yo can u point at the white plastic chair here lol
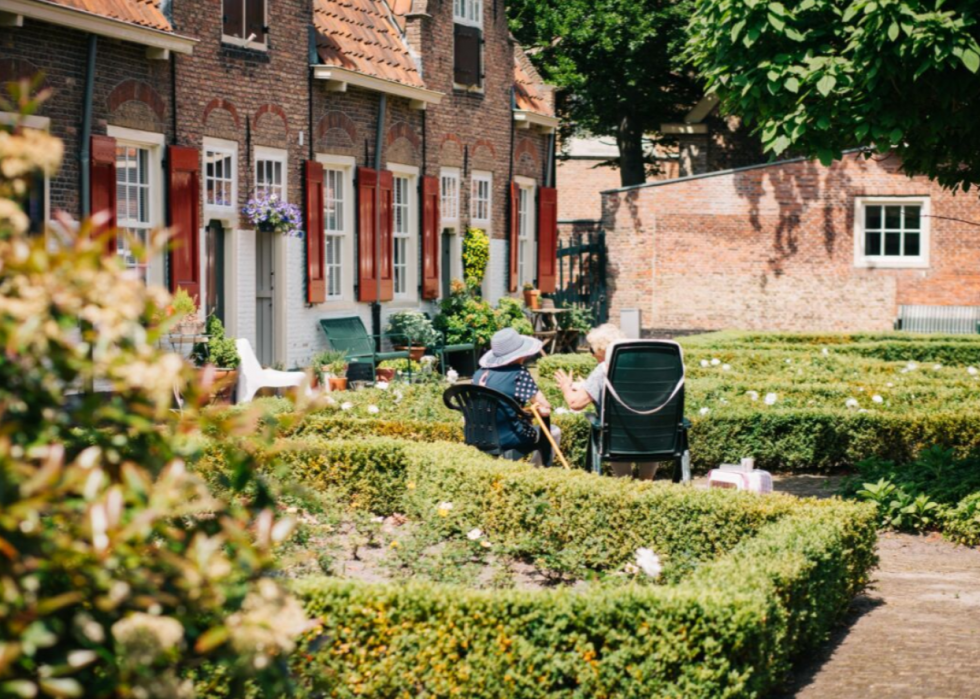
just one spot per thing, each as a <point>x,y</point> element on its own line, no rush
<point>252,377</point>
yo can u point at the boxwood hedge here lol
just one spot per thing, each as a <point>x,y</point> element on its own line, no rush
<point>769,578</point>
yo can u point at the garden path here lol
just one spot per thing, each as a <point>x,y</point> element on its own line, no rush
<point>914,635</point>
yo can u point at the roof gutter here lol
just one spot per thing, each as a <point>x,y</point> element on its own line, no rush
<point>342,77</point>
<point>157,41</point>
<point>526,119</point>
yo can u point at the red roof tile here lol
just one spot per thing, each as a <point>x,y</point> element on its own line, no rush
<point>528,91</point>
<point>360,35</point>
<point>145,13</point>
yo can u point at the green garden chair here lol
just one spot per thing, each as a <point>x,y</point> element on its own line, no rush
<point>641,417</point>
<point>349,335</point>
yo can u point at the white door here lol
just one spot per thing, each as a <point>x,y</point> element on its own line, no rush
<point>265,286</point>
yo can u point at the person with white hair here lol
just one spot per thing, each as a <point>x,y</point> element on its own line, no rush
<point>580,394</point>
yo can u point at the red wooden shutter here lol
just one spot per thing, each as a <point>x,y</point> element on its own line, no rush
<point>184,173</point>
<point>316,277</point>
<point>386,264</point>
<point>515,201</point>
<point>103,186</point>
<point>430,238</point>
<point>547,239</point>
<point>367,280</point>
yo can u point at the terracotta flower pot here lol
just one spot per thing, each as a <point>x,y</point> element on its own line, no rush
<point>384,374</point>
<point>338,383</point>
<point>414,353</point>
<point>532,299</point>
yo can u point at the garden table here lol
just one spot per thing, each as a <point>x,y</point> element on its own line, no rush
<point>545,324</point>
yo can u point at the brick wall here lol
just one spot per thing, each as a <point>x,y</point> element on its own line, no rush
<point>773,248</point>
<point>129,90</point>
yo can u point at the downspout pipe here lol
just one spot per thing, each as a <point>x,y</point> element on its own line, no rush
<point>85,152</point>
<point>549,171</point>
<point>376,307</point>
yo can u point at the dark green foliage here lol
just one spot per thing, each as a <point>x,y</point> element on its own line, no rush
<point>219,350</point>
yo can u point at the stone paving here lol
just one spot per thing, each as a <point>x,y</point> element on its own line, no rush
<point>914,635</point>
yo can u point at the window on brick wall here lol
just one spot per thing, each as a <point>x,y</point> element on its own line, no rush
<point>269,168</point>
<point>481,200</point>
<point>891,232</point>
<point>405,231</point>
<point>244,23</point>
<point>449,203</point>
<point>401,234</point>
<point>219,179</point>
<point>335,229</point>
<point>526,255</point>
<point>34,201</point>
<point>468,43</point>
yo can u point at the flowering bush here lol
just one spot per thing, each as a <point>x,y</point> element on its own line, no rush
<point>466,318</point>
<point>281,216</point>
<point>476,256</point>
<point>120,572</point>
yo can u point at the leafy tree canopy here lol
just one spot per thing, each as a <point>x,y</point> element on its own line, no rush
<point>823,76</point>
<point>617,62</point>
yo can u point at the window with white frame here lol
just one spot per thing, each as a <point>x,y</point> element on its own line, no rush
<point>892,232</point>
<point>133,216</point>
<point>334,230</point>
<point>481,200</point>
<point>525,235</point>
<point>449,189</point>
<point>244,23</point>
<point>219,178</point>
<point>269,177</point>
<point>468,12</point>
<point>402,233</point>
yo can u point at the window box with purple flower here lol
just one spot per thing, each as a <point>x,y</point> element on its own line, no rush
<point>275,215</point>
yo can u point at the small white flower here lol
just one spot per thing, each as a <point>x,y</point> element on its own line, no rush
<point>911,366</point>
<point>789,361</point>
<point>452,376</point>
<point>771,398</point>
<point>474,534</point>
<point>704,411</point>
<point>378,520</point>
<point>648,562</point>
<point>715,361</point>
<point>971,370</point>
<point>373,409</point>
<point>905,370</point>
<point>851,403</point>
<point>427,359</point>
<point>825,351</point>
<point>753,395</point>
<point>889,384</point>
<point>877,399</point>
<point>704,363</point>
<point>383,385</point>
<point>630,569</point>
<point>863,410</point>
<point>726,367</point>
<point>444,508</point>
<point>398,396</point>
<point>937,367</point>
<point>347,405</point>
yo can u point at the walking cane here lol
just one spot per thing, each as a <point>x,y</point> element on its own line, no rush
<point>547,433</point>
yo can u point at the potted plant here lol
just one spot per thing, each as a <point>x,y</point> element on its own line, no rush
<point>329,367</point>
<point>464,318</point>
<point>417,328</point>
<point>532,297</point>
<point>271,214</point>
<point>390,368</point>
<point>221,352</point>
<point>185,309</point>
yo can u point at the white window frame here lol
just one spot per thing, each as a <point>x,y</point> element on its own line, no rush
<point>154,143</point>
<point>449,214</point>
<point>468,12</point>
<point>227,214</point>
<point>245,43</point>
<point>274,155</point>
<point>411,237</point>
<point>919,261</point>
<point>38,123</point>
<point>484,222</point>
<point>527,238</point>
<point>345,165</point>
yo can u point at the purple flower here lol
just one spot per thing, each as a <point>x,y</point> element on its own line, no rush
<point>285,218</point>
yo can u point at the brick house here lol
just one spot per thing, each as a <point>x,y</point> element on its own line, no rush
<point>394,126</point>
<point>790,245</point>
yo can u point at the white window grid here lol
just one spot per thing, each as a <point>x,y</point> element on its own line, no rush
<point>449,204</point>
<point>468,12</point>
<point>481,200</point>
<point>258,42</point>
<point>892,230</point>
<point>133,215</point>
<point>523,234</point>
<point>334,231</point>
<point>219,178</point>
<point>402,229</point>
<point>268,178</point>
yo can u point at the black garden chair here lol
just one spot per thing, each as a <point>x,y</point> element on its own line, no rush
<point>483,410</point>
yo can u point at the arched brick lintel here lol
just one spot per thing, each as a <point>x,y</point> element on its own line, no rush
<point>136,91</point>
<point>526,147</point>
<point>403,130</point>
<point>272,109</point>
<point>224,104</point>
<point>336,120</point>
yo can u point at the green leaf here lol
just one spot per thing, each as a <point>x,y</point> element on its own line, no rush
<point>211,639</point>
<point>737,29</point>
<point>895,135</point>
<point>971,60</point>
<point>861,131</point>
<point>795,35</point>
<point>893,31</point>
<point>793,85</point>
<point>826,157</point>
<point>781,144</point>
<point>826,84</point>
<point>777,22</point>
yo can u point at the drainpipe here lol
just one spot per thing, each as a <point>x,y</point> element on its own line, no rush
<point>376,306</point>
<point>550,164</point>
<point>85,155</point>
<point>510,184</point>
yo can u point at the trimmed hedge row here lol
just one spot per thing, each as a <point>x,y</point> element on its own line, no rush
<point>730,630</point>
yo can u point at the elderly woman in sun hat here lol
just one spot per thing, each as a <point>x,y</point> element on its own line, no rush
<point>580,394</point>
<point>502,369</point>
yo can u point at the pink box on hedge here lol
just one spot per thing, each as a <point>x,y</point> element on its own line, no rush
<point>742,476</point>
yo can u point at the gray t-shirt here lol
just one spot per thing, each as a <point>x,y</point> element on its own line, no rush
<point>595,384</point>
